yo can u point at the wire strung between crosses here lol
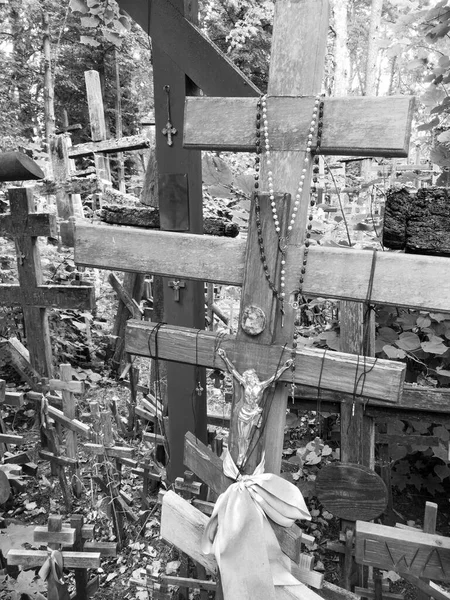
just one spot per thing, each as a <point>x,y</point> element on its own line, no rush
<point>316,126</point>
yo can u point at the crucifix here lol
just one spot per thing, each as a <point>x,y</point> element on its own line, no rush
<point>380,127</point>
<point>176,285</point>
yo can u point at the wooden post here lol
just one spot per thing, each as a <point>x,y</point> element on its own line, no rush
<point>180,205</point>
<point>97,121</point>
<point>69,410</point>
<point>67,205</point>
<point>30,277</point>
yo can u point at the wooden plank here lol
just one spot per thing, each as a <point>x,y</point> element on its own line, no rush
<point>431,588</point>
<point>111,146</point>
<point>429,401</point>
<point>131,304</point>
<point>6,438</point>
<point>14,398</point>
<point>160,253</point>
<point>289,123</point>
<point>105,548</point>
<point>183,525</point>
<point>115,451</point>
<point>383,378</point>
<point>73,386</point>
<point>410,552</point>
<point>187,46</point>
<point>65,537</point>
<point>97,121</point>
<point>72,424</point>
<point>46,296</point>
<point>15,353</point>
<point>36,558</point>
<point>188,582</point>
<point>40,224</point>
<point>17,166</point>
<point>62,461</point>
<point>399,280</point>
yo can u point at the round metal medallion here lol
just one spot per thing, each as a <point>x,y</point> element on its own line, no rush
<point>253,320</point>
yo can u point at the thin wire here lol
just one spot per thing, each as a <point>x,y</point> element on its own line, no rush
<point>158,395</point>
<point>319,394</point>
<point>340,202</point>
<point>364,344</point>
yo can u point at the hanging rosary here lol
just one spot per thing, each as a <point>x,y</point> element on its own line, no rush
<point>279,293</point>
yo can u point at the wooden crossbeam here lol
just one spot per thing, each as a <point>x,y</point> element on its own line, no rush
<point>36,558</point>
<point>414,553</point>
<point>111,146</point>
<point>40,224</point>
<point>188,47</point>
<point>399,280</point>
<point>46,296</point>
<point>383,378</point>
<point>380,126</point>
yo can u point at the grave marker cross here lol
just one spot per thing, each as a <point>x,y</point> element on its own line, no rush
<point>24,225</point>
<point>295,78</point>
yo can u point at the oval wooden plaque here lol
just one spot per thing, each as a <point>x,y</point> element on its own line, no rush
<point>351,492</point>
<point>5,488</point>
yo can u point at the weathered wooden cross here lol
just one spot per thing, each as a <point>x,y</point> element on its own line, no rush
<point>56,536</point>
<point>351,126</point>
<point>379,126</point>
<point>25,225</point>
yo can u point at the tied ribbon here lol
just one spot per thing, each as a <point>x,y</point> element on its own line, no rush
<point>54,565</point>
<point>239,534</point>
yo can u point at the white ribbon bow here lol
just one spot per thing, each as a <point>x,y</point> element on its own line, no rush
<point>239,534</point>
<point>55,565</point>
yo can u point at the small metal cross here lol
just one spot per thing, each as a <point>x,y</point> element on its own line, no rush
<point>177,285</point>
<point>169,129</point>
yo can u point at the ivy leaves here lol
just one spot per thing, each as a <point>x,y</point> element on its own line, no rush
<point>420,337</point>
<point>102,17</point>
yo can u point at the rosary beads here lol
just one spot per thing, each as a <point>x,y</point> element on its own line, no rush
<point>262,127</point>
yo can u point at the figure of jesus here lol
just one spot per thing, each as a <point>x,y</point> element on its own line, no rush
<point>251,409</point>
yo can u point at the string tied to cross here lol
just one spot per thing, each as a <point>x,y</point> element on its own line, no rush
<point>54,565</point>
<point>240,536</point>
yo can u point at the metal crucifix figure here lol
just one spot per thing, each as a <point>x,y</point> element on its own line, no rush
<point>251,406</point>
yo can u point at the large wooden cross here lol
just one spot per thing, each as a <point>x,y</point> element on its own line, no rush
<point>24,225</point>
<point>379,126</point>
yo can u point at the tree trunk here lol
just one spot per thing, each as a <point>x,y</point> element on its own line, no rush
<point>372,48</point>
<point>341,53</point>
<point>49,96</point>
<point>119,131</point>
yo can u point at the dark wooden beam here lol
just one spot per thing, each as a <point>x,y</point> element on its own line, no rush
<point>41,224</point>
<point>111,146</point>
<point>379,126</point>
<point>17,166</point>
<point>383,380</point>
<point>46,296</point>
<point>187,46</point>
